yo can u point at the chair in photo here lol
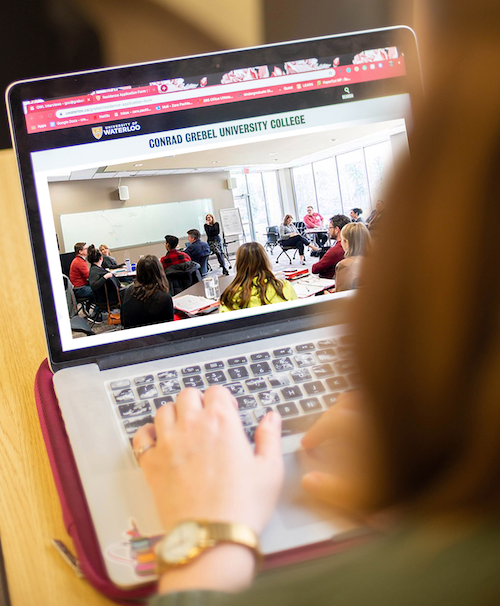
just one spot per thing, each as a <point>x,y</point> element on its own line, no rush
<point>204,266</point>
<point>272,238</point>
<point>179,280</point>
<point>78,323</point>
<point>285,250</point>
<point>107,300</point>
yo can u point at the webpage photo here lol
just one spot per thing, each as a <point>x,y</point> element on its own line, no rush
<point>181,175</point>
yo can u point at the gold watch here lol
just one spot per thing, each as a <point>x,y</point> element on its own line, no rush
<point>191,538</point>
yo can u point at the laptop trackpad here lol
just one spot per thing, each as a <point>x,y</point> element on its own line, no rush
<point>295,507</point>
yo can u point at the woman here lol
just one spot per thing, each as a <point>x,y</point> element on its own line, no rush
<point>355,215</point>
<point>254,284</point>
<point>421,445</point>
<point>212,230</point>
<point>147,301</point>
<point>291,238</point>
<point>355,240</point>
<point>108,262</point>
<point>105,286</point>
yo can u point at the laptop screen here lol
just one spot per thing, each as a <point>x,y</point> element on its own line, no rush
<point>124,156</point>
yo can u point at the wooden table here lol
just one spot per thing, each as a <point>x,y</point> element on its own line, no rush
<point>30,514</point>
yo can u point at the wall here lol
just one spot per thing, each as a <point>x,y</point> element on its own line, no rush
<point>100,194</point>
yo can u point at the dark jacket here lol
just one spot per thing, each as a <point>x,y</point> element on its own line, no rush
<point>157,308</point>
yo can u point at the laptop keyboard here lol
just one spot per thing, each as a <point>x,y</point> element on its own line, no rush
<point>298,382</point>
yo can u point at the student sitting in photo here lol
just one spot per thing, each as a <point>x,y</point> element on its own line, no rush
<point>108,262</point>
<point>355,215</point>
<point>291,238</point>
<point>356,241</point>
<point>173,256</point>
<point>148,300</point>
<point>99,277</point>
<point>254,284</point>
<point>325,267</point>
<point>198,250</point>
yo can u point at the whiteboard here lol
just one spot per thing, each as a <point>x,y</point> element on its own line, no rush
<point>135,225</point>
<point>231,221</point>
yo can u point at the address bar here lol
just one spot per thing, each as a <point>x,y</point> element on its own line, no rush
<point>218,89</point>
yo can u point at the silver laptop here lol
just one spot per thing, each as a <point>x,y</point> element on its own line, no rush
<point>126,155</point>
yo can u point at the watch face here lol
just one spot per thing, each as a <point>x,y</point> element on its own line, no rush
<point>179,544</point>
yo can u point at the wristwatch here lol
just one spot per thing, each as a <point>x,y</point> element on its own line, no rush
<point>191,538</point>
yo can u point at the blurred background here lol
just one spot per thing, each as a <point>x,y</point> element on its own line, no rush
<point>40,37</point>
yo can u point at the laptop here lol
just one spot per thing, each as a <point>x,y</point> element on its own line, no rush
<point>124,156</point>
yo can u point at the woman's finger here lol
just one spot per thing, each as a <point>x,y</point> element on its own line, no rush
<point>189,400</point>
<point>144,440</point>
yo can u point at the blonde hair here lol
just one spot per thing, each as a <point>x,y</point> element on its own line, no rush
<point>103,247</point>
<point>358,239</point>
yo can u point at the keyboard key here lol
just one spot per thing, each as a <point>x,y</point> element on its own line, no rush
<point>326,355</point>
<point>237,361</point>
<point>283,364</point>
<point>240,372</point>
<point>125,396</point>
<point>336,383</point>
<point>330,399</point>
<point>133,425</point>
<point>325,370</point>
<point>260,368</point>
<point>345,366</point>
<point>303,360</point>
<point>284,351</point>
<point>301,374</point>
<point>305,347</point>
<point>215,377</point>
<point>147,391</point>
<point>261,413</point>
<point>167,375</point>
<point>279,381</point>
<point>269,397</point>
<point>171,386</point>
<point>257,384</point>
<point>291,393</point>
<point>195,381</point>
<point>131,410</point>
<point>159,402</point>
<point>144,379</point>
<point>264,355</point>
<point>119,384</point>
<point>236,389</point>
<point>314,387</point>
<point>214,365</point>
<point>191,370</point>
<point>323,343</point>
<point>310,404</point>
<point>287,410</point>
<point>246,419</point>
<point>250,431</point>
<point>299,424</point>
<point>246,402</point>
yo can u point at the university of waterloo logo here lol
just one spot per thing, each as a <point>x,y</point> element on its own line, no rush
<point>97,132</point>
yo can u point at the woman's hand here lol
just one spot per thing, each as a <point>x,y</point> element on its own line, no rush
<point>203,466</point>
<point>108,275</point>
<point>345,447</point>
